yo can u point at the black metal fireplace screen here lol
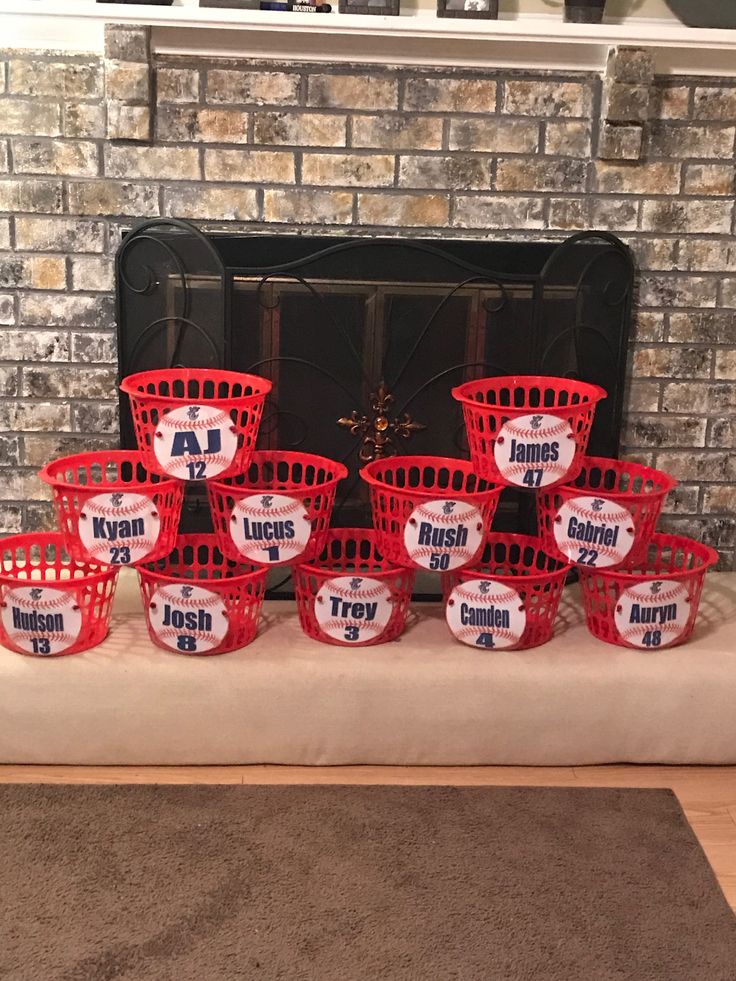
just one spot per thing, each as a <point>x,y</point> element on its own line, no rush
<point>364,337</point>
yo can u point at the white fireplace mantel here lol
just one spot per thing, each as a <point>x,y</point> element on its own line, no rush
<point>417,37</point>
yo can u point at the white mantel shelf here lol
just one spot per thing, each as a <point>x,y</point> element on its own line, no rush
<point>416,37</point>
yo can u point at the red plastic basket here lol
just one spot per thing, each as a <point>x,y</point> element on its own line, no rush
<point>430,512</point>
<point>51,604</point>
<point>528,431</point>
<point>607,516</point>
<point>509,600</point>
<point>111,509</point>
<point>278,512</point>
<point>653,603</point>
<point>195,424</point>
<point>197,601</point>
<point>351,595</point>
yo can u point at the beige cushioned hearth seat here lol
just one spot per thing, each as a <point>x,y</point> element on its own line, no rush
<point>423,700</point>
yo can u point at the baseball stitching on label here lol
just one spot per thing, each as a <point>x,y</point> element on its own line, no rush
<point>486,614</point>
<point>119,527</point>
<point>353,609</point>
<point>443,534</point>
<point>195,442</point>
<point>270,528</point>
<point>653,614</point>
<point>187,619</point>
<point>534,450</point>
<point>594,532</point>
<point>41,620</point>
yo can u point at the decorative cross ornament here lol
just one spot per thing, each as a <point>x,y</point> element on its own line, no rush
<point>378,431</point>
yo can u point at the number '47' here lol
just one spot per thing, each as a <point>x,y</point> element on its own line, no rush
<point>533,478</point>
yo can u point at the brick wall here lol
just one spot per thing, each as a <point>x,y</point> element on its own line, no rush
<point>475,153</point>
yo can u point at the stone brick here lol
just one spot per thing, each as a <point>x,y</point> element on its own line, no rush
<point>450,95</point>
<point>682,500</point>
<point>32,272</point>
<point>655,253</point>
<point>647,326</point>
<point>4,157</point>
<point>44,382</point>
<point>10,519</point>
<point>177,85</point>
<point>123,43</point>
<point>669,102</point>
<point>494,135</point>
<point>31,195</point>
<point>637,178</point>
<point>4,233</point>
<point>39,449</point>
<point>719,498</point>
<point>498,212</point>
<point>685,216</point>
<point>34,345</point>
<point>29,117</point>
<point>669,361</point>
<point>37,309</point>
<point>308,207</point>
<point>624,103</point>
<point>696,254</point>
<point>66,80</point>
<point>661,430</point>
<point>95,418</point>
<point>22,485</point>
<point>59,235</point>
<point>677,291</point>
<point>126,122</point>
<point>352,92</point>
<point>348,170</point>
<point>643,396</point>
<point>700,466</point>
<point>713,102</point>
<point>230,203</point>
<point>92,274</point>
<point>728,293</point>
<point>690,397</point>
<point>9,384</point>
<point>56,157</point>
<point>710,179</point>
<point>299,129</point>
<point>252,87</point>
<point>631,65</point>
<point>569,213</point>
<point>7,309</point>
<point>9,450</point>
<point>672,141</point>
<point>92,348</point>
<point>614,214</point>
<point>34,416</point>
<point>711,327</point>
<point>722,398</point>
<point>398,132</point>
<point>159,163</point>
<point>182,124</point>
<point>722,433</point>
<point>540,175</point>
<point>459,171</point>
<point>84,120</point>
<point>403,210</point>
<point>39,517</point>
<point>105,197</point>
<point>546,97</point>
<point>249,166</point>
<point>620,142</point>
<point>127,81</point>
<point>567,139</point>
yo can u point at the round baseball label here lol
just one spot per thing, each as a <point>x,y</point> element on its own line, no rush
<point>119,528</point>
<point>485,613</point>
<point>195,442</point>
<point>653,614</point>
<point>353,609</point>
<point>270,528</point>
<point>188,619</point>
<point>594,532</point>
<point>41,620</point>
<point>442,535</point>
<point>534,450</point>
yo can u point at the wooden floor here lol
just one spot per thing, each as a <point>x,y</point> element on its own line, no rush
<point>707,794</point>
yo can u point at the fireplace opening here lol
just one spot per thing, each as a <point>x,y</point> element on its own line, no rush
<point>363,338</point>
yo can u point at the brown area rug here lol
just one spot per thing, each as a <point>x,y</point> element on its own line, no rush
<point>356,884</point>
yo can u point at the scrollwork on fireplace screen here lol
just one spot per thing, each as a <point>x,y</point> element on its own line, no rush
<point>363,338</point>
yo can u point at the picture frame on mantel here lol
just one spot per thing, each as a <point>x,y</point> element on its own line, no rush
<point>470,9</point>
<point>383,8</point>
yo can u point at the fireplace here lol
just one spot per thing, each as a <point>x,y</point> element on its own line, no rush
<point>363,338</point>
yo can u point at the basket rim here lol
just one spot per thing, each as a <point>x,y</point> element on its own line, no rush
<point>710,557</point>
<point>100,573</point>
<point>128,385</point>
<point>594,392</point>
<point>93,456</point>
<point>525,541</point>
<point>182,541</point>
<point>224,486</point>
<point>365,534</point>
<point>609,463</point>
<point>420,492</point>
